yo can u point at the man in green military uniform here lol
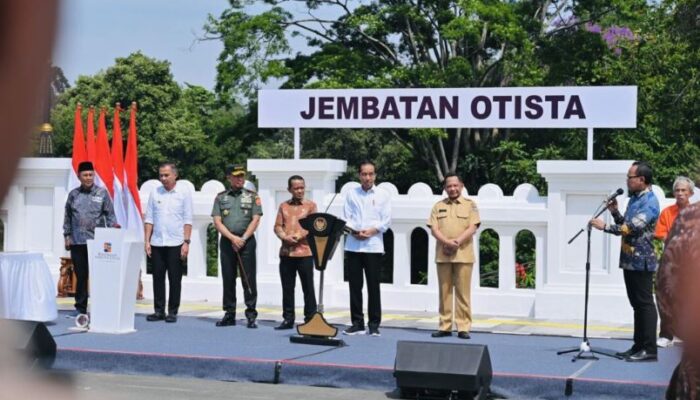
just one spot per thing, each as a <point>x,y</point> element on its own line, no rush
<point>237,213</point>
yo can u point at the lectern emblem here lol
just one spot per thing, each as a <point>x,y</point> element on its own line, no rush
<point>320,224</point>
<point>107,247</point>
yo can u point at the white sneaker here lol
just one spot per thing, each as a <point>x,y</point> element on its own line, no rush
<point>663,342</point>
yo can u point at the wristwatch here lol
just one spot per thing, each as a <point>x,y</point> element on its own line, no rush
<point>188,241</point>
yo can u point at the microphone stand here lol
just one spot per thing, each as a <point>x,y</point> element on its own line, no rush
<point>584,351</point>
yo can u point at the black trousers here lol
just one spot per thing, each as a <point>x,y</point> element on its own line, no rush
<point>639,286</point>
<point>166,259</point>
<point>79,255</point>
<point>289,268</point>
<point>229,272</point>
<point>370,263</point>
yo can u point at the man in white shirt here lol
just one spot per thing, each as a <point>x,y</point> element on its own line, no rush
<point>168,224</point>
<point>368,215</point>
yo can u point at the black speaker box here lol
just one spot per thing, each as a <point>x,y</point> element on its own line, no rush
<point>427,368</point>
<point>32,340</point>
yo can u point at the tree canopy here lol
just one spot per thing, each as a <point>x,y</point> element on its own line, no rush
<point>477,43</point>
<point>416,44</point>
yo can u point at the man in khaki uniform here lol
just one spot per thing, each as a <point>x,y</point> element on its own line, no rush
<point>453,222</point>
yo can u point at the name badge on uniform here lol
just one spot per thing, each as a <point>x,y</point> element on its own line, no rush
<point>96,199</point>
<point>246,202</point>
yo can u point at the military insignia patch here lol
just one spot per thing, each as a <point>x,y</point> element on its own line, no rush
<point>225,213</point>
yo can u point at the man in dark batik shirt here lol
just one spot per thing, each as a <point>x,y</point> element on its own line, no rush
<point>88,206</point>
<point>637,257</point>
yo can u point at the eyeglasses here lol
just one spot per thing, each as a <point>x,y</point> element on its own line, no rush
<point>633,176</point>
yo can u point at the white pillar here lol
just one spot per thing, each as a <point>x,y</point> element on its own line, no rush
<point>197,258</point>
<point>297,143</point>
<point>589,146</point>
<point>576,188</point>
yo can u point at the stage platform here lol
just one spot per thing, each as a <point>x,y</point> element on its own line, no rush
<point>525,366</point>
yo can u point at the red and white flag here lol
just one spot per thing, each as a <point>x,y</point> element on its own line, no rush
<point>90,144</point>
<point>118,166</point>
<point>79,151</point>
<point>103,158</point>
<point>90,140</point>
<point>133,201</point>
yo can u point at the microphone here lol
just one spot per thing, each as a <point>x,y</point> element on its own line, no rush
<point>614,194</point>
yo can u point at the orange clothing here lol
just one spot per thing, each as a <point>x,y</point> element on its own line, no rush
<point>287,224</point>
<point>665,222</point>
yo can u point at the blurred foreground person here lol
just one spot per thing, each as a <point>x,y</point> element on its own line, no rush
<point>26,40</point>
<point>678,294</point>
<point>682,192</point>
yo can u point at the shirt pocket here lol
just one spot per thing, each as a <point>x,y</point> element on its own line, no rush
<point>224,208</point>
<point>463,218</point>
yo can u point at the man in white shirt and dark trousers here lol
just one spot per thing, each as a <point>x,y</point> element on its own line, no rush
<point>168,225</point>
<point>368,215</point>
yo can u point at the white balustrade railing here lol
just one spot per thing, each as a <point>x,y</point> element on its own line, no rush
<point>32,215</point>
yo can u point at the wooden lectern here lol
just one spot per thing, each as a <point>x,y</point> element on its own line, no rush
<point>324,235</point>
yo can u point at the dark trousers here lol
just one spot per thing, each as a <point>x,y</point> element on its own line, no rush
<point>166,259</point>
<point>639,286</point>
<point>370,263</point>
<point>229,272</point>
<point>79,255</point>
<point>289,268</point>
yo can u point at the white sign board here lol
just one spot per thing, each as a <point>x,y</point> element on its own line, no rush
<point>520,107</point>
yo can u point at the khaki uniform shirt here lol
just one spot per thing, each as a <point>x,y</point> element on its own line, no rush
<point>236,209</point>
<point>452,218</point>
<point>288,216</point>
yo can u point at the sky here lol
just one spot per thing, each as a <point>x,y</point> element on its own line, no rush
<point>92,33</point>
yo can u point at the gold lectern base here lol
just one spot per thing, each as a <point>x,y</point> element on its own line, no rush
<point>317,331</point>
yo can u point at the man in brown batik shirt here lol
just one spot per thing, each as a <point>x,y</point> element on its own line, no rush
<point>295,254</point>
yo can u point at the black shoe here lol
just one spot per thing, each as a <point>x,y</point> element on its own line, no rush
<point>439,334</point>
<point>285,325</point>
<point>171,318</point>
<point>155,317</point>
<point>229,319</point>
<point>374,332</point>
<point>252,324</point>
<point>354,330</point>
<point>463,335</point>
<point>627,353</point>
<point>642,355</point>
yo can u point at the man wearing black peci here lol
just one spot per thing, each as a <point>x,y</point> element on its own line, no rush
<point>87,207</point>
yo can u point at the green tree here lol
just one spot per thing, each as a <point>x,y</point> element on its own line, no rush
<point>433,43</point>
<point>174,124</point>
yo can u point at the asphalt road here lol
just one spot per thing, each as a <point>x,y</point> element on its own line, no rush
<point>117,387</point>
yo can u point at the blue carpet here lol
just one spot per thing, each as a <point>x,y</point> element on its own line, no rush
<point>524,366</point>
